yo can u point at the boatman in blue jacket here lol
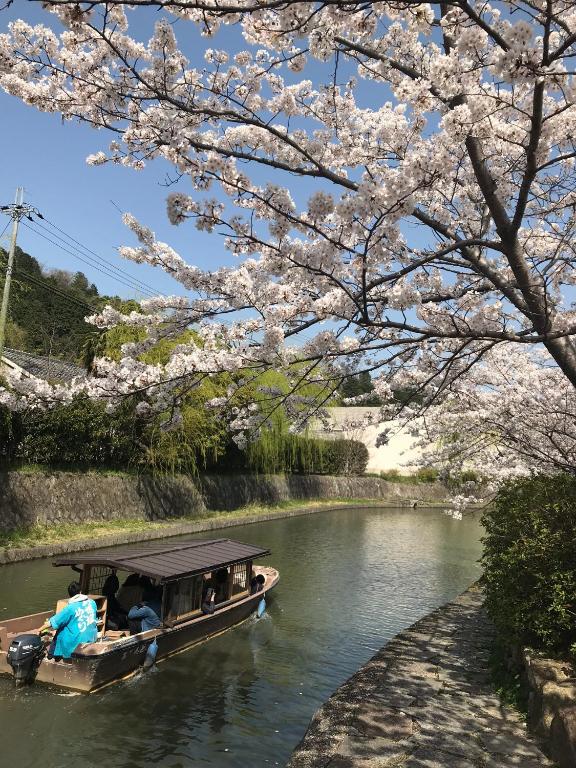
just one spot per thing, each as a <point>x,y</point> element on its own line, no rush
<point>148,611</point>
<point>74,624</point>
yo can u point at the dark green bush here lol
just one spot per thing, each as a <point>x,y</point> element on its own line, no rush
<point>530,561</point>
<point>10,435</point>
<point>344,457</point>
<point>462,481</point>
<point>80,435</point>
<point>84,435</point>
<point>426,475</point>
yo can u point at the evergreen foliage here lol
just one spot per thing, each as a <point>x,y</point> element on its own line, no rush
<point>81,435</point>
<point>10,435</point>
<point>47,308</point>
<point>84,435</point>
<point>359,384</point>
<point>529,561</point>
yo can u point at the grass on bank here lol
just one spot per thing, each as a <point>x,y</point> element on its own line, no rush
<point>423,475</point>
<point>46,469</point>
<point>39,535</point>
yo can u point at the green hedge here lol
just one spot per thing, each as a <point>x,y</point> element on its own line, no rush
<point>530,561</point>
<point>82,435</point>
<point>345,457</point>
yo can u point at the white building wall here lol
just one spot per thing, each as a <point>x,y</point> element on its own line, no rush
<point>398,452</point>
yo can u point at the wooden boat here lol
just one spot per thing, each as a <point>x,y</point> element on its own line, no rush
<point>180,572</point>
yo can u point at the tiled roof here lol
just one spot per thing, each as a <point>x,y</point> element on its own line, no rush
<point>49,368</point>
<point>167,562</point>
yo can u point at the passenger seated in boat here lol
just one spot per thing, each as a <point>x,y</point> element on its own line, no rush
<point>130,592</point>
<point>221,585</point>
<point>215,590</point>
<point>147,612</point>
<point>74,624</point>
<point>116,616</point>
<point>208,599</point>
<point>257,584</point>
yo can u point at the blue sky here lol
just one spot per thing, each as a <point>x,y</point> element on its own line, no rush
<point>47,158</point>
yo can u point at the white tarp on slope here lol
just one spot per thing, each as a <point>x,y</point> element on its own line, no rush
<point>397,453</point>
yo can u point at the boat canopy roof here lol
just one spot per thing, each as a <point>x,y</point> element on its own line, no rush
<point>168,563</point>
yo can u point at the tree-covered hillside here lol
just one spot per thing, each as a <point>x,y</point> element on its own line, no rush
<point>47,308</point>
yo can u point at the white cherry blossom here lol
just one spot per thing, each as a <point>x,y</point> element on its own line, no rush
<point>394,180</point>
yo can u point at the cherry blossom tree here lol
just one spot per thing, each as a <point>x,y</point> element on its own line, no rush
<point>395,180</point>
<point>512,414</point>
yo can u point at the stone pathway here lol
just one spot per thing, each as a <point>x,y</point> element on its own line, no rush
<point>424,701</point>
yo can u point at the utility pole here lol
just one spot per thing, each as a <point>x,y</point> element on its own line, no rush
<point>16,211</point>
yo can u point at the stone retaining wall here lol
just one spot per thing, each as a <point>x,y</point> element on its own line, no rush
<point>227,492</point>
<point>63,497</point>
<point>66,497</point>
<point>552,705</point>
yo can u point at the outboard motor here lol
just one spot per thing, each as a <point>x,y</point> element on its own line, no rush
<point>24,656</point>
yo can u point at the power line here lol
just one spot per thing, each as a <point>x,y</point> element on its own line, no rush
<point>100,258</point>
<point>90,263</point>
<point>18,211</point>
<point>39,283</point>
<point>4,230</point>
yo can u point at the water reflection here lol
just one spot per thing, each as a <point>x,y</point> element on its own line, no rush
<point>349,581</point>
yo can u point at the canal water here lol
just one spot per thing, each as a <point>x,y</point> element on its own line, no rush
<point>350,580</point>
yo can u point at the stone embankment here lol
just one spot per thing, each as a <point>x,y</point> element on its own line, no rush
<point>40,498</point>
<point>424,701</point>
<point>552,705</point>
<point>176,505</point>
<point>66,497</point>
<point>233,491</point>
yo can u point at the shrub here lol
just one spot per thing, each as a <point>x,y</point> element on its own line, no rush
<point>464,481</point>
<point>426,475</point>
<point>529,561</point>
<point>10,435</point>
<point>344,457</point>
<point>80,434</point>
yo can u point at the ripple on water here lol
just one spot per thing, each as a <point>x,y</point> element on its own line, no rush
<point>350,580</point>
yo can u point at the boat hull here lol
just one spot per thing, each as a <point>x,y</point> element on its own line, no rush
<point>97,665</point>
